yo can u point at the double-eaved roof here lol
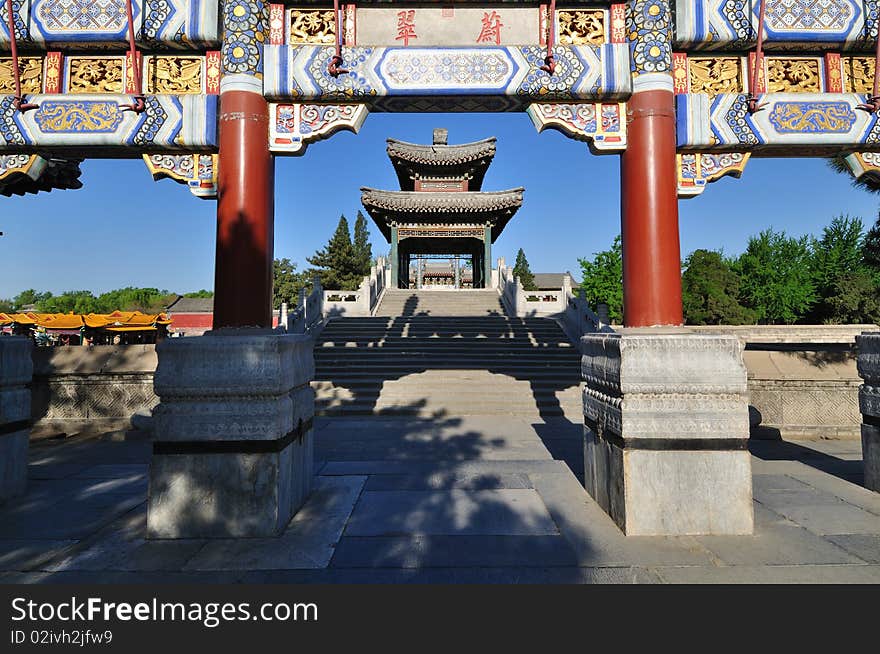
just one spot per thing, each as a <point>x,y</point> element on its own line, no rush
<point>441,162</point>
<point>415,161</point>
<point>470,207</point>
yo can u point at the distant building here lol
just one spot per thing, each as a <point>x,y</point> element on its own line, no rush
<point>193,316</point>
<point>554,281</point>
<point>190,316</point>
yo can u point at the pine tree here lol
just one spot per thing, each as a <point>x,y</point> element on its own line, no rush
<point>522,272</point>
<point>336,264</point>
<point>710,291</point>
<point>362,249</point>
<point>871,247</point>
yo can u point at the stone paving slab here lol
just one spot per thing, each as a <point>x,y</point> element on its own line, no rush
<point>425,468</point>
<point>18,555</point>
<point>450,502</point>
<point>477,575</point>
<point>864,546</point>
<point>446,481</point>
<point>823,519</point>
<point>308,542</point>
<point>453,551</point>
<point>509,512</point>
<point>772,574</point>
<point>595,537</point>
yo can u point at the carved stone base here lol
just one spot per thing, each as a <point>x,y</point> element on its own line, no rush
<point>665,441</point>
<point>868,345</point>
<point>16,371</point>
<point>228,494</point>
<point>233,448</point>
<point>871,456</point>
<point>13,463</point>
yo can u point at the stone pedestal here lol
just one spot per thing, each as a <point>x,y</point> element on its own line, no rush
<point>232,455</point>
<point>868,345</point>
<point>666,432</point>
<point>16,370</point>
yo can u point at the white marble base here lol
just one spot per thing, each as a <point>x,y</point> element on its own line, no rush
<point>233,444</point>
<point>666,428</point>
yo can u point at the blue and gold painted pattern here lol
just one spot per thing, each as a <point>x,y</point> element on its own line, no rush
<point>94,124</point>
<point>809,123</point>
<point>458,75</point>
<point>245,24</point>
<point>103,24</point>
<point>649,26</point>
<point>789,24</point>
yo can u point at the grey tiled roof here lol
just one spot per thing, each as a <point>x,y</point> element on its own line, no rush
<point>441,155</point>
<point>192,305</point>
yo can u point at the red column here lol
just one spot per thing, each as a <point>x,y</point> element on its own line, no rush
<point>649,213</point>
<point>245,214</point>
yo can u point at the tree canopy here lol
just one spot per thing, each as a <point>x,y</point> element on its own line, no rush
<point>603,280</point>
<point>363,250</point>
<point>523,273</point>
<point>337,264</point>
<point>710,291</point>
<point>287,283</point>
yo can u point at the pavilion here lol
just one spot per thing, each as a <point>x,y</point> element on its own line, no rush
<point>441,210</point>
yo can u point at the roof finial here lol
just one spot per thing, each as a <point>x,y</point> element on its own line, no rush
<point>441,136</point>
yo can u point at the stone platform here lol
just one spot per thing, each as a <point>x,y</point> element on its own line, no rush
<point>475,499</point>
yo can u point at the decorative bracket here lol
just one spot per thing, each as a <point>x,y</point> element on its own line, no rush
<point>599,124</point>
<point>293,126</point>
<point>864,165</point>
<point>695,170</point>
<point>31,173</point>
<point>198,171</point>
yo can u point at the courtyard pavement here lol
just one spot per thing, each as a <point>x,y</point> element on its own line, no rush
<point>450,499</point>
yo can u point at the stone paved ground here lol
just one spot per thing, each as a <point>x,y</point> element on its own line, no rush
<point>471,499</point>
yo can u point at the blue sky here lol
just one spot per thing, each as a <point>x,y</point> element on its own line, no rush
<point>123,229</point>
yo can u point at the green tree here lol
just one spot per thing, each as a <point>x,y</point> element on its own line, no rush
<point>776,277</point>
<point>363,250</point>
<point>710,291</point>
<point>603,280</point>
<point>28,297</point>
<point>522,272</point>
<point>845,283</point>
<point>286,283</point>
<point>199,294</point>
<point>69,302</point>
<point>131,298</point>
<point>337,264</point>
<point>6,306</point>
<point>871,248</point>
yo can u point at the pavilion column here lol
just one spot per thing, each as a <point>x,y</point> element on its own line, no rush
<point>232,451</point>
<point>487,256</point>
<point>666,423</point>
<point>395,258</point>
<point>457,273</point>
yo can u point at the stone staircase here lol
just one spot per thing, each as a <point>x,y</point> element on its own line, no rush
<point>446,353</point>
